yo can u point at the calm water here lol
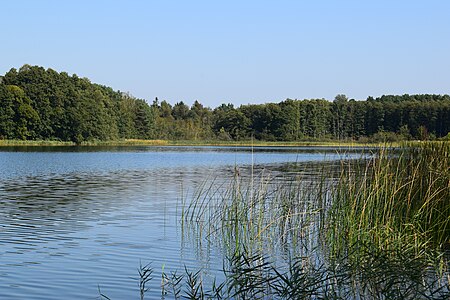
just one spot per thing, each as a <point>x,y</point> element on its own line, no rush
<point>74,219</point>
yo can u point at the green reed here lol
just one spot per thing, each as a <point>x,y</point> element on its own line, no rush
<point>399,198</point>
<point>378,229</point>
<point>387,213</point>
<point>376,274</point>
<point>257,212</point>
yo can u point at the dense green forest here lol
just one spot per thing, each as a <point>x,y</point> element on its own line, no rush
<point>40,104</point>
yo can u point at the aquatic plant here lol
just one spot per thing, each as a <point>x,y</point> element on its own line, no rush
<point>401,197</point>
<point>257,212</point>
<point>376,275</point>
<point>393,203</point>
<point>377,230</point>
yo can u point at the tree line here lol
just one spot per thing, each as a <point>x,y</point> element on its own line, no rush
<point>42,104</point>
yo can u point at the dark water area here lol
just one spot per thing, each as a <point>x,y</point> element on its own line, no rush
<point>74,219</point>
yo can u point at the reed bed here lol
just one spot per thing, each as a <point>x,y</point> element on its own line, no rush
<point>386,215</point>
<point>395,198</point>
<point>40,143</point>
<point>258,212</point>
<point>377,275</point>
<point>158,142</point>
<point>380,229</point>
<point>400,199</point>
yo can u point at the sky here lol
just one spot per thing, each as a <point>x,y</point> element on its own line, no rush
<point>236,52</point>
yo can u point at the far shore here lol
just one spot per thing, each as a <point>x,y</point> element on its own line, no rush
<point>244,143</point>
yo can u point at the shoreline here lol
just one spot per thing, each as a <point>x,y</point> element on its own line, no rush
<point>246,143</point>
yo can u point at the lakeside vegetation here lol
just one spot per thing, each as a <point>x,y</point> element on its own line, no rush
<point>43,105</point>
<point>390,198</point>
<point>376,228</point>
<point>379,229</point>
<point>241,143</point>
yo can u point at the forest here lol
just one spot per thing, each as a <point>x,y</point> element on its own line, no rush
<point>43,104</point>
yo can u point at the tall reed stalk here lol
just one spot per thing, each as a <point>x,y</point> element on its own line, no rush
<point>401,198</point>
<point>382,219</point>
<point>258,214</point>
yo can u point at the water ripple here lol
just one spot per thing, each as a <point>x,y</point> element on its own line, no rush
<point>70,220</point>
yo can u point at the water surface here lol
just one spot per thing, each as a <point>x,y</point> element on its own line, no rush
<point>75,219</point>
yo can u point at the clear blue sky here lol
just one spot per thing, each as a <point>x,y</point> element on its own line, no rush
<point>235,51</point>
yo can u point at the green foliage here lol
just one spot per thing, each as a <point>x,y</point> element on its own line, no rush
<point>18,118</point>
<point>233,121</point>
<point>400,198</point>
<point>39,104</point>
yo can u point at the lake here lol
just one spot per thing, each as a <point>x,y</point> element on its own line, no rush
<point>74,220</point>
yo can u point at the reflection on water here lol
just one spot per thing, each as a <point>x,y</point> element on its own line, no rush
<point>74,218</point>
